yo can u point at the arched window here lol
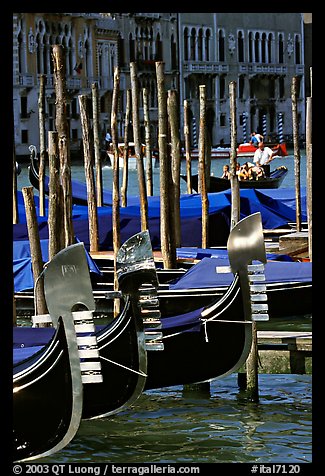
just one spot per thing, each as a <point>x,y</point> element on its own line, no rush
<point>269,47</point>
<point>38,54</point>
<point>131,48</point>
<point>200,45</point>
<point>193,41</point>
<point>240,42</point>
<point>159,49</point>
<point>186,44</point>
<point>207,45</point>
<point>297,50</point>
<point>173,53</point>
<point>221,45</point>
<point>241,87</point>
<point>257,47</point>
<point>281,49</point>
<point>21,62</point>
<point>250,47</point>
<point>263,59</point>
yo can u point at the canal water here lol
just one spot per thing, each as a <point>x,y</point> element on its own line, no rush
<point>170,425</point>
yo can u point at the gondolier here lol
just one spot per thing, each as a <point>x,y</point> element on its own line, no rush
<point>263,156</point>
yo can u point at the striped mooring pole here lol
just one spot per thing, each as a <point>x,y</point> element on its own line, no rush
<point>194,132</point>
<point>264,126</point>
<point>245,126</point>
<point>280,127</point>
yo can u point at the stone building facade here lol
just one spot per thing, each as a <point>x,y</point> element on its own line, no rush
<point>260,52</point>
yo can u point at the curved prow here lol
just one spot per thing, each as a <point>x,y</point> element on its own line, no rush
<point>67,275</point>
<point>135,260</point>
<point>137,276</point>
<point>246,243</point>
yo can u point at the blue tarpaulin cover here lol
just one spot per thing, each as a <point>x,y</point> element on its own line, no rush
<point>277,208</point>
<point>204,275</point>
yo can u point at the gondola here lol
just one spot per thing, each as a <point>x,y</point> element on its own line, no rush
<point>48,379</point>
<point>218,184</point>
<point>214,341</point>
<point>220,334</point>
<point>288,284</point>
<point>123,342</point>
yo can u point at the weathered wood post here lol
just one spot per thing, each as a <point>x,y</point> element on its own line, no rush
<point>187,146</point>
<point>55,212</point>
<point>147,142</point>
<point>235,194</point>
<point>35,250</point>
<point>125,177</point>
<point>173,114</point>
<point>296,149</point>
<point>98,165</point>
<point>15,216</point>
<point>309,163</point>
<point>42,153</point>
<point>166,237</point>
<point>89,173</point>
<point>137,147</point>
<point>252,367</point>
<point>116,177</point>
<point>63,138</point>
<point>203,168</point>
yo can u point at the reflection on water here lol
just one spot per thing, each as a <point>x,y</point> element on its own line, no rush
<point>169,426</point>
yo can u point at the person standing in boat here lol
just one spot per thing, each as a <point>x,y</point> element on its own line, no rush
<point>263,156</point>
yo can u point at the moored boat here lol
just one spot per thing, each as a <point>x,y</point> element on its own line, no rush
<point>218,184</point>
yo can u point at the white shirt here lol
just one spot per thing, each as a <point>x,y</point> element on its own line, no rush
<point>262,156</point>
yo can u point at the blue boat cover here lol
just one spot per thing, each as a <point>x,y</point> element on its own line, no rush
<point>22,263</point>
<point>277,208</point>
<point>204,275</point>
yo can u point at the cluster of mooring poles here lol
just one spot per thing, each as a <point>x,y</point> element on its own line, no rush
<point>57,153</point>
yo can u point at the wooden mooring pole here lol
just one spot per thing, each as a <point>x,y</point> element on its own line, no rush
<point>63,139</point>
<point>309,164</point>
<point>89,173</point>
<point>168,250</point>
<point>42,153</point>
<point>202,168</point>
<point>35,250</point>
<point>296,148</point>
<point>173,115</point>
<point>125,178</point>
<point>187,146</point>
<point>138,148</point>
<point>98,165</point>
<point>146,118</point>
<point>55,212</point>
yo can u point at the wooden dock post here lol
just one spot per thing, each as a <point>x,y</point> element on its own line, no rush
<point>235,193</point>
<point>187,146</point>
<point>55,212</point>
<point>35,249</point>
<point>173,114</point>
<point>296,148</point>
<point>168,250</point>
<point>89,173</point>
<point>42,153</point>
<point>146,119</point>
<point>252,368</point>
<point>309,164</point>
<point>63,138</point>
<point>116,181</point>
<point>138,148</point>
<point>98,165</point>
<point>203,168</point>
<point>125,177</point>
<point>15,216</point>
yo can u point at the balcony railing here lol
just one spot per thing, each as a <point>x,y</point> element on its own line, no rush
<point>204,67</point>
